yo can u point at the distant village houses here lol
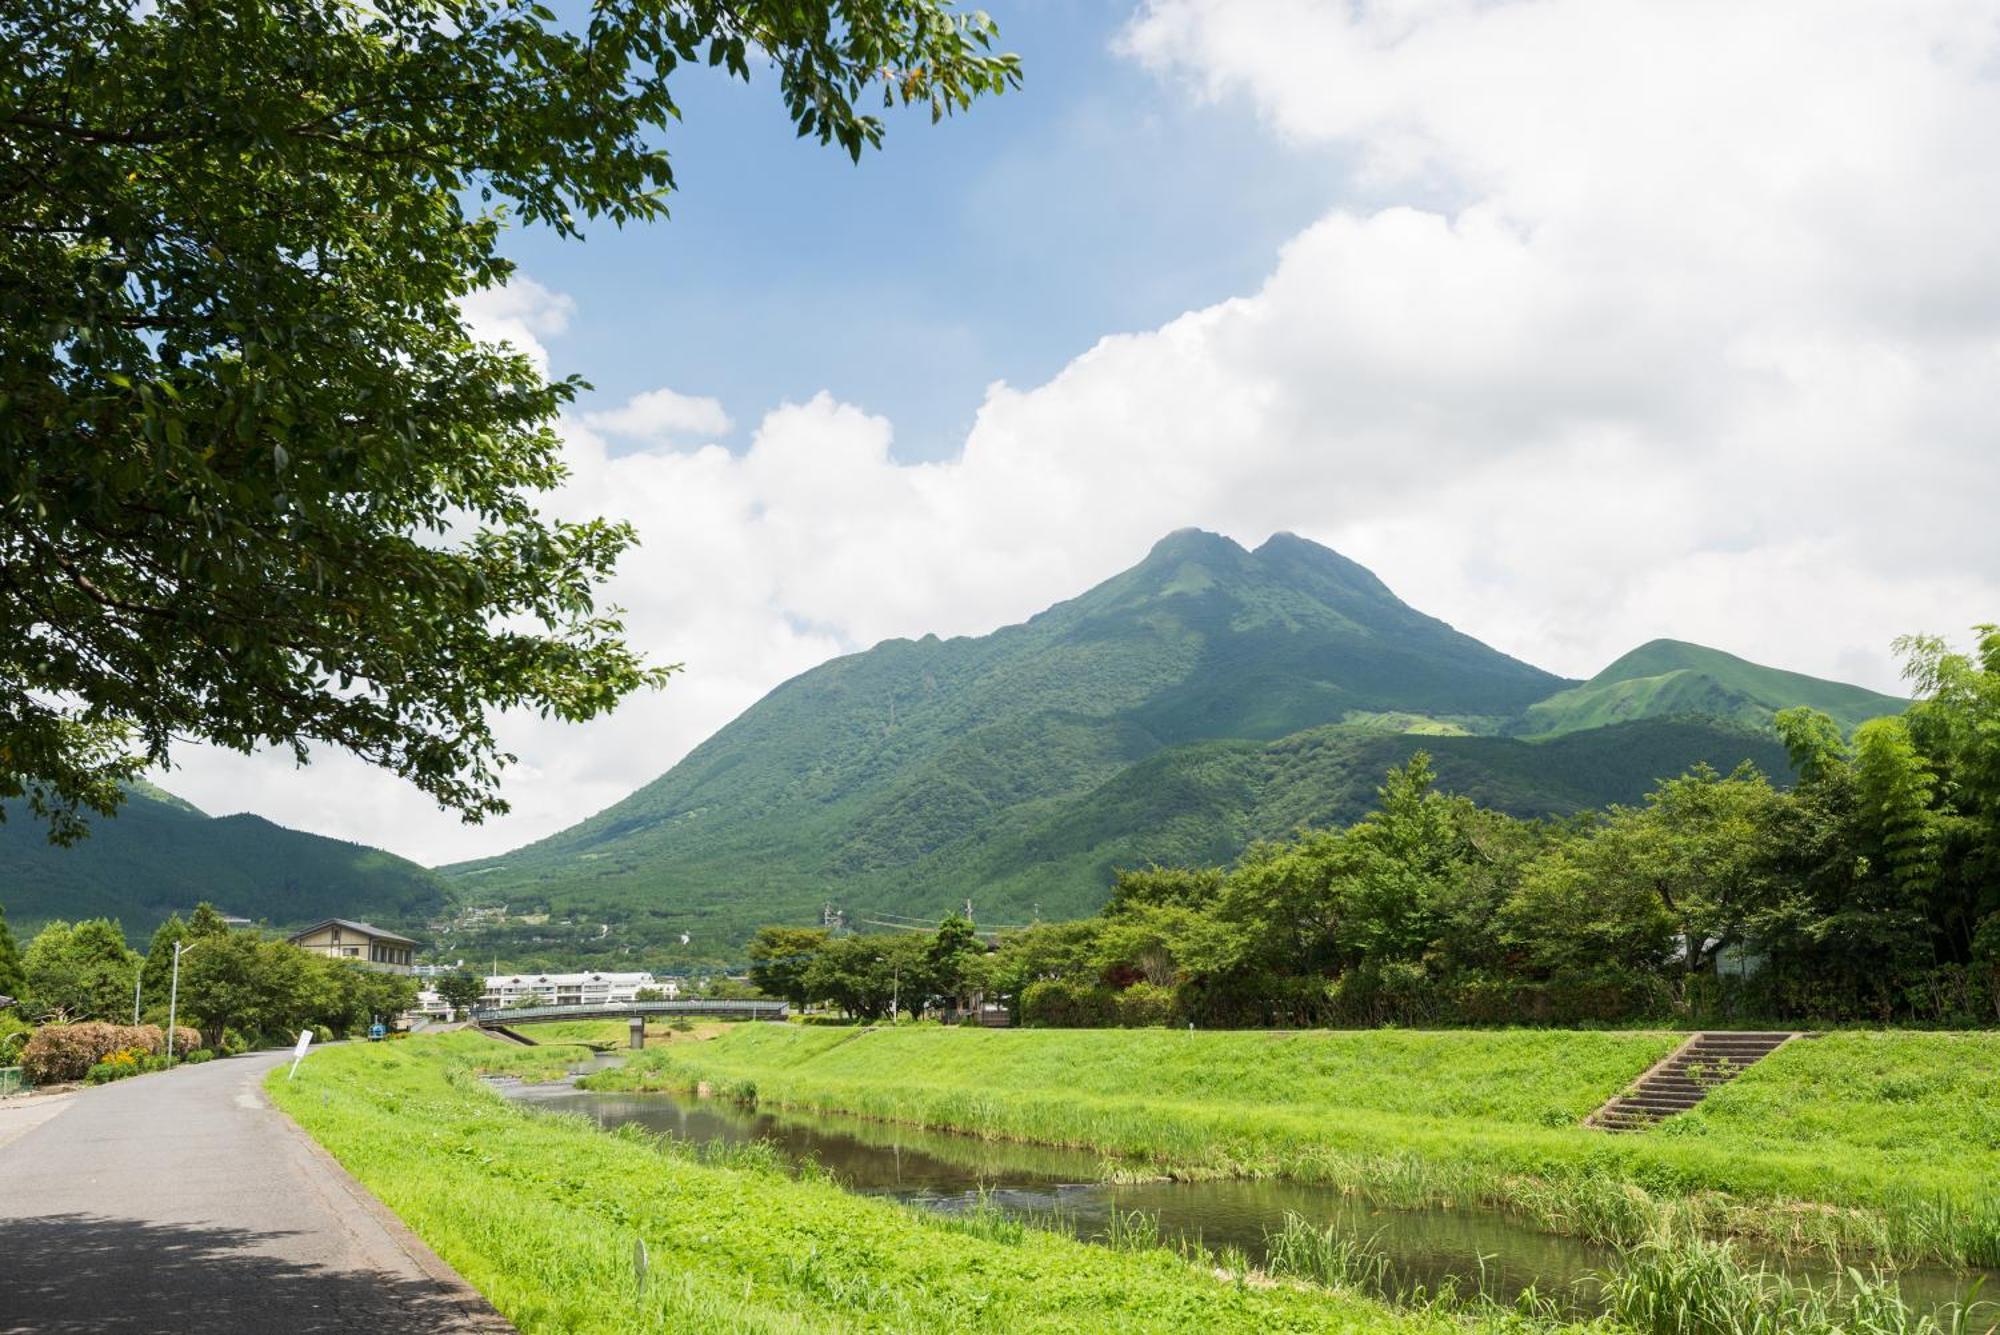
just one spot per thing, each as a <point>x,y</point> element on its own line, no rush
<point>505,991</point>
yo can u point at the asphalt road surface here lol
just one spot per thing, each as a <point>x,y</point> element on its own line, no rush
<point>183,1201</point>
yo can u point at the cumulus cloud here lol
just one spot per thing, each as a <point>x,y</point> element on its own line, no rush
<point>1635,320</point>
<point>662,416</point>
<point>520,313</point>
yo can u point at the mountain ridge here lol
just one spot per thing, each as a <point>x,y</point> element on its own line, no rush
<point>904,776</point>
<point>1668,676</point>
<point>1207,696</point>
<point>160,854</point>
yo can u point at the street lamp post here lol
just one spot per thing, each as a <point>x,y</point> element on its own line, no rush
<point>174,991</point>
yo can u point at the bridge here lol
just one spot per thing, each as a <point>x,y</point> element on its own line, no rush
<point>619,1010</point>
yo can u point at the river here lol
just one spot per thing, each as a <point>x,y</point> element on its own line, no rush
<point>1473,1249</point>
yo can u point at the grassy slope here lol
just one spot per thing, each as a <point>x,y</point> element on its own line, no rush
<point>159,855</point>
<point>1910,1102</point>
<point>1899,1130</point>
<point>1668,677</point>
<point>541,1214</point>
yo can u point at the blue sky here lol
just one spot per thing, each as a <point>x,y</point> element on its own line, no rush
<point>994,246</point>
<point>1580,322</point>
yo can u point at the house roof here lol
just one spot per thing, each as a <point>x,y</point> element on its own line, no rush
<point>365,929</point>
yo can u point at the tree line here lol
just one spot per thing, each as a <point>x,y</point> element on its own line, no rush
<point>232,983</point>
<point>1868,890</point>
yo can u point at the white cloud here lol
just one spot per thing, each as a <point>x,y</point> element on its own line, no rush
<point>662,416</point>
<point>1703,347</point>
<point>521,313</point>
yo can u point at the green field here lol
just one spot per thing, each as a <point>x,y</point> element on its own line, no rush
<point>1888,1143</point>
<point>541,1213</point>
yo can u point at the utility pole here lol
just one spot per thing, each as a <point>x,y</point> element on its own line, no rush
<point>137,980</point>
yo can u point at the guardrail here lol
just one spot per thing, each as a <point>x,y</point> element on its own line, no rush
<point>714,1010</point>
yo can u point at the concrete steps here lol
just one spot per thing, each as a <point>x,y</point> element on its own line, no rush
<point>1684,1078</point>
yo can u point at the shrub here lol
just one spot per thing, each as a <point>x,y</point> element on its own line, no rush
<point>14,1032</point>
<point>124,1062</point>
<point>1058,1003</point>
<point>1145,1006</point>
<point>198,1056</point>
<point>64,1052</point>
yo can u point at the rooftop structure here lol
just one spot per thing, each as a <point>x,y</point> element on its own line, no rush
<point>373,947</point>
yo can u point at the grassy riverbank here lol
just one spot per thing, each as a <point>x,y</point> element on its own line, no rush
<point>612,1035</point>
<point>1886,1143</point>
<point>541,1213</point>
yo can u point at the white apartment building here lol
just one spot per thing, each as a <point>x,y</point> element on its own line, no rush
<point>570,989</point>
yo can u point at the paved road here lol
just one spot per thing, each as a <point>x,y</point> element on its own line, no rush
<point>184,1202</point>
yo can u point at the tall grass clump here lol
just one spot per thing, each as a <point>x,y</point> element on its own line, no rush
<point>1330,1256</point>
<point>1694,1286</point>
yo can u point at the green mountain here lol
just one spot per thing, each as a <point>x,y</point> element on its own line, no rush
<point>1672,677</point>
<point>160,855</point>
<point>1208,696</point>
<point>1203,803</point>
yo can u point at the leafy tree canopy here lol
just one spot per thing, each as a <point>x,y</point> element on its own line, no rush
<point>258,483</point>
<point>462,991</point>
<point>867,976</point>
<point>82,971</point>
<point>779,957</point>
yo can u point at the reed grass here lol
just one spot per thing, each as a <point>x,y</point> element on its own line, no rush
<point>1696,1286</point>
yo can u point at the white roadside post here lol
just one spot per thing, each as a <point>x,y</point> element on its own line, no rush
<point>173,1001</point>
<point>299,1051</point>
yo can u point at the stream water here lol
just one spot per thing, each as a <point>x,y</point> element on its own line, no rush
<point>1474,1249</point>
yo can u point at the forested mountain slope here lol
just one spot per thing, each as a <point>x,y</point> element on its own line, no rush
<point>160,855</point>
<point>1208,696</point>
<point>1667,677</point>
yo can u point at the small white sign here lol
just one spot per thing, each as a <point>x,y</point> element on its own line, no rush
<point>299,1051</point>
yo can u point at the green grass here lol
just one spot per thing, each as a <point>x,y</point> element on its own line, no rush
<point>541,1213</point>
<point>1907,1099</point>
<point>597,1035</point>
<point>1854,1142</point>
<point>1688,1286</point>
<point>613,1035</point>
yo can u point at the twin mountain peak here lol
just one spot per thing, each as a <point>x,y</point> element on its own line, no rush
<point>1206,697</point>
